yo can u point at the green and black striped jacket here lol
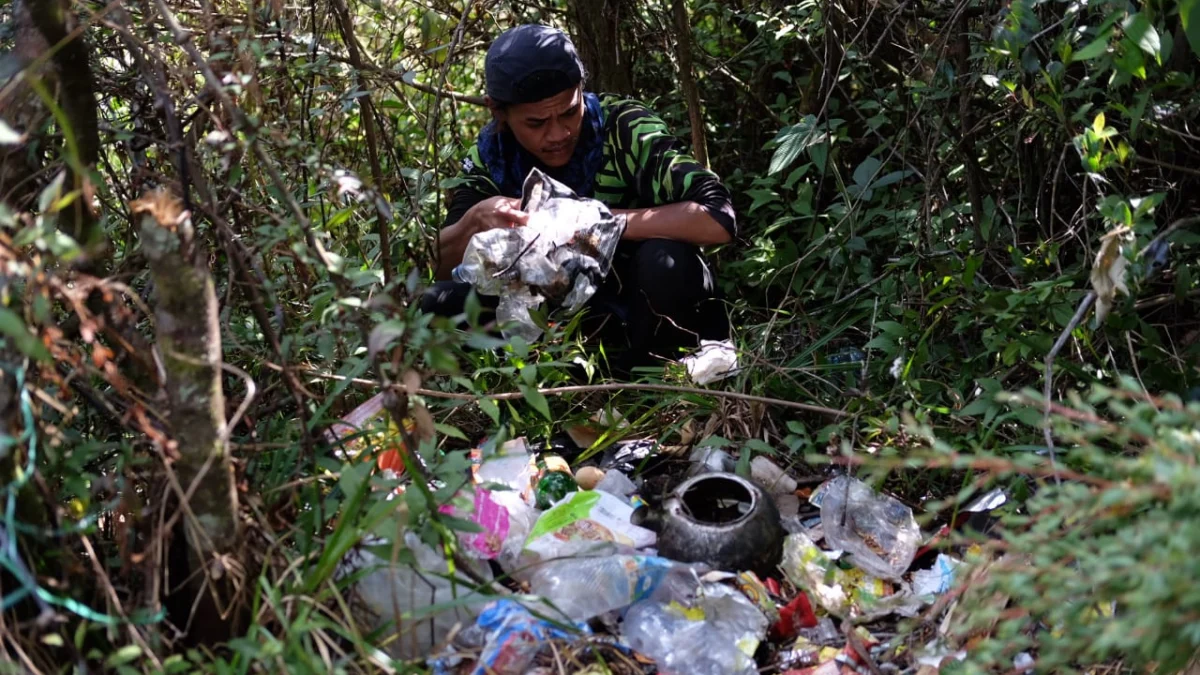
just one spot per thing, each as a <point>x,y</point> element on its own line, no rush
<point>643,165</point>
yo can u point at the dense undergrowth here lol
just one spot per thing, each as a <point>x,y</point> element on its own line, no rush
<point>927,192</point>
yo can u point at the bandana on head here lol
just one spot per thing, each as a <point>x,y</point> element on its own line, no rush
<point>509,163</point>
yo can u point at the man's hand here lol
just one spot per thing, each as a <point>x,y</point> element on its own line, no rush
<point>489,214</point>
<point>493,213</point>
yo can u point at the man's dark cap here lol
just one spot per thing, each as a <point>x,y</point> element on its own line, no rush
<point>529,63</point>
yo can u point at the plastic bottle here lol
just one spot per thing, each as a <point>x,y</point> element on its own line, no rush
<point>553,486</point>
<point>582,588</point>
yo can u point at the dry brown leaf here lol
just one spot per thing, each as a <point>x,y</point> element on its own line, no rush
<point>412,381</point>
<point>583,435</point>
<point>424,422</point>
<point>1108,272</point>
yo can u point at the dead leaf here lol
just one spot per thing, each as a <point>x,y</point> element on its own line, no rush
<point>687,433</point>
<point>1108,272</point>
<point>101,355</point>
<point>424,422</point>
<point>412,381</point>
<point>583,435</point>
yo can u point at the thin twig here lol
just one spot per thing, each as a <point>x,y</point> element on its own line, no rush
<point>1080,312</point>
<point>591,388</point>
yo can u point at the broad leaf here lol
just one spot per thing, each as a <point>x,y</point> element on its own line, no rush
<point>12,327</point>
<point>536,399</point>
<point>1094,49</point>
<point>791,142</point>
<point>1141,31</point>
<point>1189,13</point>
<point>866,171</point>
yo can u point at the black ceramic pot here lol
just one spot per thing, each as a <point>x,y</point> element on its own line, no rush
<point>721,519</point>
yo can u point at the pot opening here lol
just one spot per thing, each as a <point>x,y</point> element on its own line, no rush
<point>717,500</point>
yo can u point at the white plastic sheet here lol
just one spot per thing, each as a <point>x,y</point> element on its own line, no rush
<point>559,257</point>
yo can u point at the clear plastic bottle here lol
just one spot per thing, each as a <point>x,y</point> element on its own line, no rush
<point>582,588</point>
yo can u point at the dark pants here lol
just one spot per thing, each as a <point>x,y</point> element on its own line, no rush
<point>659,300</point>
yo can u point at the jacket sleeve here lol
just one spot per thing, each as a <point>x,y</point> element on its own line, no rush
<point>472,185</point>
<point>661,172</point>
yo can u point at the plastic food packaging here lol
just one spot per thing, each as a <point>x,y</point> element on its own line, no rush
<point>383,589</point>
<point>616,483</point>
<point>716,634</point>
<point>627,456</point>
<point>521,518</point>
<point>582,588</point>
<point>561,255</point>
<point>489,515</point>
<point>714,361</point>
<point>843,593</point>
<point>581,521</point>
<point>794,616</point>
<point>756,591</point>
<point>824,633</point>
<point>511,466</point>
<point>878,531</point>
<point>514,638</point>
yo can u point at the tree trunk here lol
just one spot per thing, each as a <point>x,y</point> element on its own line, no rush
<point>598,37</point>
<point>189,339</point>
<point>76,97</point>
<point>687,80</point>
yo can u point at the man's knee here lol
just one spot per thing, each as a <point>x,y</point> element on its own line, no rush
<point>672,271</point>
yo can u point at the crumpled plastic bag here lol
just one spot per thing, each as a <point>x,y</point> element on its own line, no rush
<point>877,530</point>
<point>560,256</point>
<point>714,361</point>
<point>717,634</point>
<point>430,605</point>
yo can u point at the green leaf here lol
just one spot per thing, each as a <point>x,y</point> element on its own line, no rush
<point>977,407</point>
<point>489,406</point>
<point>819,153</point>
<point>536,399</point>
<point>126,654</point>
<point>1094,49</point>
<point>1141,31</point>
<point>865,171</point>
<point>451,431</point>
<point>1189,14</point>
<point>761,197</point>
<point>883,342</point>
<point>13,327</point>
<point>791,142</point>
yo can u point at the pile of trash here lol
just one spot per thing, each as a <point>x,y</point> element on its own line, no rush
<point>726,574</point>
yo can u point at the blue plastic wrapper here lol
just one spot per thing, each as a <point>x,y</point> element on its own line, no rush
<point>514,636</point>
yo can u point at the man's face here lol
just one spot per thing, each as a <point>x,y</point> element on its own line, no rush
<point>549,128</point>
